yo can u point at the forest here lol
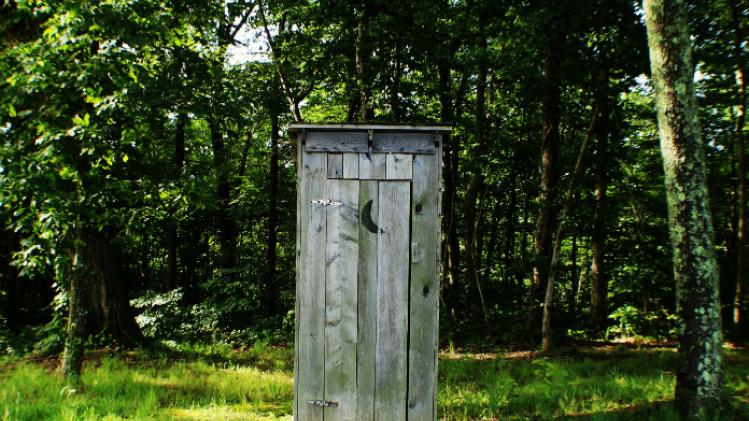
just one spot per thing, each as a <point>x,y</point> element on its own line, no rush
<point>593,213</point>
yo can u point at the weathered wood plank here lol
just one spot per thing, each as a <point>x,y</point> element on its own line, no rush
<point>342,253</point>
<point>337,141</point>
<point>392,301</point>
<point>335,165</point>
<point>367,299</point>
<point>413,143</point>
<point>438,252</point>
<point>310,346</point>
<point>424,288</point>
<point>398,166</point>
<point>350,165</point>
<point>298,256</point>
<point>372,166</point>
<point>297,127</point>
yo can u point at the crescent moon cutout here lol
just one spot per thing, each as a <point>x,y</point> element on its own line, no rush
<point>367,218</point>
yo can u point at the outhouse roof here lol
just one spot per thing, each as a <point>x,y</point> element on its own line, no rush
<point>332,127</point>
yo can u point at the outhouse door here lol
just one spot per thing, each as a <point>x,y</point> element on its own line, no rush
<point>367,292</point>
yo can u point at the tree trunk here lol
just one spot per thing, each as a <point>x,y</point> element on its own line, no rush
<point>741,301</point>
<point>171,230</point>
<point>476,185</point>
<point>78,312</point>
<point>106,285</point>
<point>272,287</point>
<point>573,270</point>
<point>397,76</point>
<point>245,154</point>
<point>227,228</point>
<point>510,230</point>
<point>598,275</point>
<point>549,172</point>
<point>582,276</point>
<point>519,277</point>
<point>452,247</point>
<point>362,82</point>
<point>699,373</point>
<point>559,237</point>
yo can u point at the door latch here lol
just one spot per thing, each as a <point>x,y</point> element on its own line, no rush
<point>323,403</point>
<point>326,202</point>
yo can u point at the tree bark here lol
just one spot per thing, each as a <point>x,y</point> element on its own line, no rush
<point>171,230</point>
<point>362,81</point>
<point>493,242</point>
<point>699,373</point>
<point>549,172</point>
<point>78,312</point>
<point>741,300</point>
<point>272,287</point>
<point>227,227</point>
<point>107,288</point>
<point>598,275</point>
<point>9,281</point>
<point>476,185</point>
<point>559,237</point>
<point>510,230</point>
<point>397,76</point>
<point>574,270</point>
<point>450,149</point>
<point>245,154</point>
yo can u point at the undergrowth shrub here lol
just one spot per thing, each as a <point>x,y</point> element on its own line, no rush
<point>630,321</point>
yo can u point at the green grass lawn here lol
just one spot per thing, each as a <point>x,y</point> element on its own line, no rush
<point>213,383</point>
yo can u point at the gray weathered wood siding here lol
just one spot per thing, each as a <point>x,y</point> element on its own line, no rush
<point>368,238</point>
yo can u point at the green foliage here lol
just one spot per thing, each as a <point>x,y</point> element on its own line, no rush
<point>630,322</point>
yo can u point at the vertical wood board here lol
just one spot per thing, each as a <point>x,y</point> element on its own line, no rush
<point>342,253</point>
<point>398,166</point>
<point>391,363</point>
<point>351,165</point>
<point>335,165</point>
<point>424,289</point>
<point>437,227</point>
<point>372,166</point>
<point>310,347</point>
<point>298,256</point>
<point>367,299</point>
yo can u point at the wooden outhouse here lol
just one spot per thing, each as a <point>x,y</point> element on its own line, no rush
<point>368,224</point>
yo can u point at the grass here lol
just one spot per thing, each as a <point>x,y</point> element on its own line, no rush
<point>217,383</point>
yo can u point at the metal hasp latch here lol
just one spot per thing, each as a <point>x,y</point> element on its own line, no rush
<point>323,403</point>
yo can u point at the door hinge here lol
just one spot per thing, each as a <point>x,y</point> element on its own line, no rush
<point>323,403</point>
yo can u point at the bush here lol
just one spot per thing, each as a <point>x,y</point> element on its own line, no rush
<point>630,322</point>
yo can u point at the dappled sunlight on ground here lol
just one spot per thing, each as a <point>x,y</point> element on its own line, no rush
<point>258,411</point>
<point>606,382</point>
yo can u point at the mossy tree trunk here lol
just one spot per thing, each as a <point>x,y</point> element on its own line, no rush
<point>78,310</point>
<point>698,378</point>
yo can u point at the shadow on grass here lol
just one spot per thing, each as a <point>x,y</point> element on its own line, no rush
<point>611,383</point>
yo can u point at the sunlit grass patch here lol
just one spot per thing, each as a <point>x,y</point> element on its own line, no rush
<point>218,383</point>
<point>605,383</point>
<point>158,388</point>
<point>247,411</point>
